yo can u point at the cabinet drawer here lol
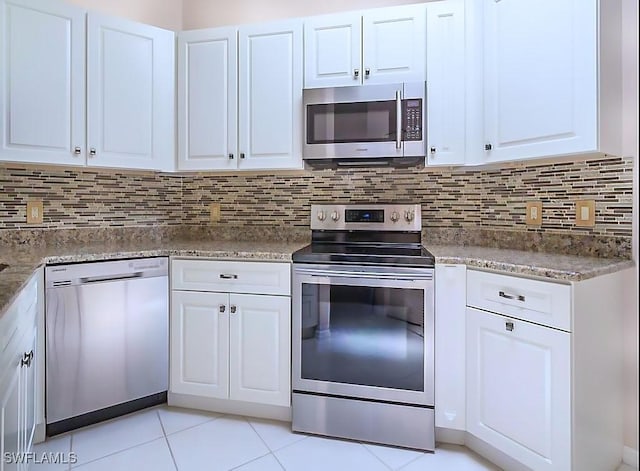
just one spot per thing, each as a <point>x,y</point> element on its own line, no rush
<point>542,302</point>
<point>19,314</point>
<point>231,277</point>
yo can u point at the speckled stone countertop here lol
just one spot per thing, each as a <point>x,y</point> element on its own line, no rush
<point>23,260</point>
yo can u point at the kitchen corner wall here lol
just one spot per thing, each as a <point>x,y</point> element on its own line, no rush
<point>453,201</point>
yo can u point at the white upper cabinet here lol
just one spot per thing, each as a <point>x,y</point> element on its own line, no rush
<point>544,93</point>
<point>207,99</point>
<point>240,97</point>
<point>130,96</point>
<point>446,75</point>
<point>270,95</point>
<point>385,45</point>
<point>42,82</point>
<point>111,106</point>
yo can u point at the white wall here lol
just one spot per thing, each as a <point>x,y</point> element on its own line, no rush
<point>207,13</point>
<point>630,148</point>
<point>163,13</point>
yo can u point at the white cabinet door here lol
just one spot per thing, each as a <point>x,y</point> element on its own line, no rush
<point>199,344</point>
<point>28,389</point>
<point>446,83</point>
<point>130,96</point>
<point>270,95</point>
<point>450,374</point>
<point>42,82</point>
<point>260,354</point>
<point>10,417</point>
<point>519,389</point>
<point>332,45</point>
<point>207,99</point>
<point>541,87</point>
<point>394,44</point>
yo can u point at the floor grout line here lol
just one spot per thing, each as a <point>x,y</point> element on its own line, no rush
<point>166,440</point>
<point>376,456</point>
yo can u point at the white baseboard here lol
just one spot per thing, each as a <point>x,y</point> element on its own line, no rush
<point>630,457</point>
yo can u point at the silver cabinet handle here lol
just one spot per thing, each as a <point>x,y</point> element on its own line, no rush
<point>367,72</point>
<point>233,309</point>
<point>432,150</point>
<point>228,276</point>
<point>509,326</point>
<point>488,147</point>
<point>398,119</point>
<point>242,155</point>
<point>77,150</point>
<point>222,308</point>
<point>517,297</point>
<point>356,73</point>
<point>26,359</point>
<point>92,152</point>
<point>230,156</point>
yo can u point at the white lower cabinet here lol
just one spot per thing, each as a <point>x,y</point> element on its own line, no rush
<point>234,346</point>
<point>19,382</point>
<point>519,389</point>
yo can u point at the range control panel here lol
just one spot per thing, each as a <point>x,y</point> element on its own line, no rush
<point>366,217</point>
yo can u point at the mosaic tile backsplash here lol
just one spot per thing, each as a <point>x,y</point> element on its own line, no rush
<point>483,202</point>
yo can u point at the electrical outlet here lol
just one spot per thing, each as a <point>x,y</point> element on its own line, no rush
<point>585,213</point>
<point>534,213</point>
<point>35,212</point>
<point>214,212</point>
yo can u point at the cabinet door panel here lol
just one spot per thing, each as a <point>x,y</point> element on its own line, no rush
<point>207,99</point>
<point>332,50</point>
<point>519,389</point>
<point>130,94</point>
<point>446,83</point>
<point>541,87</point>
<point>260,338</point>
<point>42,82</point>
<point>394,44</point>
<point>10,416</point>
<point>270,95</point>
<point>199,344</point>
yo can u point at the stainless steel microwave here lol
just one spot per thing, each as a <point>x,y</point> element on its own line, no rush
<point>365,125</point>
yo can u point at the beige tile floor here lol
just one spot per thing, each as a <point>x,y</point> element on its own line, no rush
<point>174,439</point>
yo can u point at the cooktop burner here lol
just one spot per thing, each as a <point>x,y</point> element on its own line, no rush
<point>375,234</point>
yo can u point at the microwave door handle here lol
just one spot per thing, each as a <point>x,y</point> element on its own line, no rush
<point>398,119</point>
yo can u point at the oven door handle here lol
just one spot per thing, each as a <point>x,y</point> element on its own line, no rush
<point>364,275</point>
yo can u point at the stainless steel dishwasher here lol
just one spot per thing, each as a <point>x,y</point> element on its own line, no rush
<point>107,340</point>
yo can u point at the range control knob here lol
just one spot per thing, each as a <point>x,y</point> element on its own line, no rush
<point>335,215</point>
<point>409,215</point>
<point>395,216</point>
<point>321,215</point>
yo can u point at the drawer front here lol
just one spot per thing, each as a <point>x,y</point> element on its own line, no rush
<point>20,313</point>
<point>542,302</point>
<point>231,276</point>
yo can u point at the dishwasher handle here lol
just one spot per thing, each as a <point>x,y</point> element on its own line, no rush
<point>97,279</point>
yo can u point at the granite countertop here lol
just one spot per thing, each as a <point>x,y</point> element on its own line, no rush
<point>24,260</point>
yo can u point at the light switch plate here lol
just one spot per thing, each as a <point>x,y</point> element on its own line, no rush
<point>214,212</point>
<point>35,212</point>
<point>585,213</point>
<point>534,213</point>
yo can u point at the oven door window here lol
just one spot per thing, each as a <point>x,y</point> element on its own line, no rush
<point>372,336</point>
<point>340,123</point>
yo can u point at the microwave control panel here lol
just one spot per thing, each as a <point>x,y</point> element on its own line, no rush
<point>412,119</point>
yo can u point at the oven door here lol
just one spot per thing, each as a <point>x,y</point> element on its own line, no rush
<point>364,122</point>
<point>364,332</point>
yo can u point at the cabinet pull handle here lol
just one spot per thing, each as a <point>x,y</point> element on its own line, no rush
<point>432,150</point>
<point>92,152</point>
<point>77,150</point>
<point>509,326</point>
<point>228,276</point>
<point>222,308</point>
<point>488,147</point>
<point>242,155</point>
<point>367,72</point>
<point>356,73</point>
<point>233,309</point>
<point>26,359</point>
<point>517,297</point>
<point>230,156</point>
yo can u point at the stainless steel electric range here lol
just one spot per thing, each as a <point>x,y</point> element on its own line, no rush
<point>363,332</point>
